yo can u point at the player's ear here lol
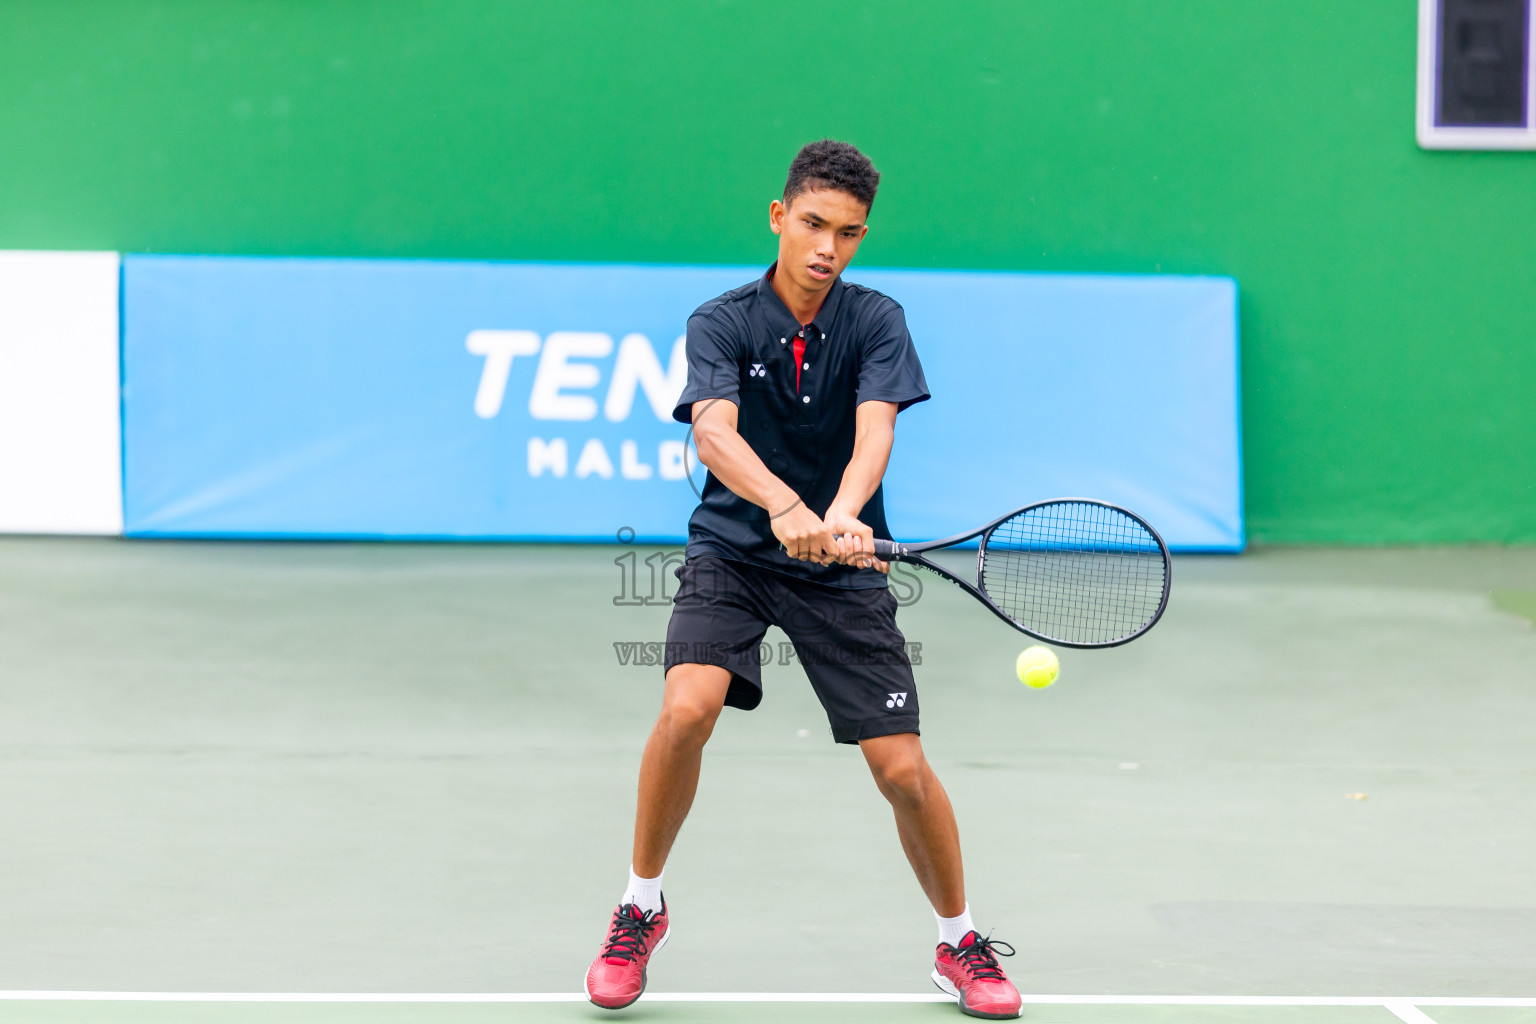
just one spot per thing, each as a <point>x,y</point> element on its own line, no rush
<point>777,211</point>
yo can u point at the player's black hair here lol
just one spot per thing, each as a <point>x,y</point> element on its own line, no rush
<point>835,165</point>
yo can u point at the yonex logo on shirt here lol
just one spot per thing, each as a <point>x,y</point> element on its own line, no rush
<point>898,700</point>
<point>758,370</point>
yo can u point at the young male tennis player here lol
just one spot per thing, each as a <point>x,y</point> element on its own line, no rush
<point>794,383</point>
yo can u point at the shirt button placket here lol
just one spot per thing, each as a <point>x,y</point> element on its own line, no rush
<point>808,333</point>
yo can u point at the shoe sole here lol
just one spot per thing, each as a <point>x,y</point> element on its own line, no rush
<point>948,988</point>
<point>644,971</point>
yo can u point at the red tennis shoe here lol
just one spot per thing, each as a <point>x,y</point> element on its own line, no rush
<point>970,973</point>
<point>617,977</point>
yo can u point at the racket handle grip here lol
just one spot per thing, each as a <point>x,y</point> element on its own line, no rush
<point>885,550</point>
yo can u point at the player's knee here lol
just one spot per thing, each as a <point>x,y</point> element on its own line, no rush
<point>902,779</point>
<point>688,719</point>
<point>693,699</point>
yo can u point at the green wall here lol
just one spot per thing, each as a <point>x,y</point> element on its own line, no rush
<point>1389,327</point>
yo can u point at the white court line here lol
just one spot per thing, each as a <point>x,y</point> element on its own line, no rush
<point>1410,1014</point>
<point>1405,1007</point>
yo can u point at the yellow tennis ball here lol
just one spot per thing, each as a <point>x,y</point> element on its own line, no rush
<point>1037,667</point>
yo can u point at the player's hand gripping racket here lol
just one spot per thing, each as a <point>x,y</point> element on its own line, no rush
<point>1073,572</point>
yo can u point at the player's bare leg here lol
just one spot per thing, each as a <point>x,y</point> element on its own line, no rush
<point>965,966</point>
<point>669,777</point>
<point>669,771</point>
<point>925,821</point>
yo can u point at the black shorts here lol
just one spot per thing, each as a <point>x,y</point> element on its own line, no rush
<point>847,640</point>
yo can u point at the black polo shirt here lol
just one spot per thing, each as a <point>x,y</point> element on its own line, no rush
<point>740,348</point>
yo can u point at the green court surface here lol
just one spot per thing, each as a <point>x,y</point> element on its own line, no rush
<point>337,768</point>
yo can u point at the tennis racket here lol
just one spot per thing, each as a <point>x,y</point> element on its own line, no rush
<point>1073,571</point>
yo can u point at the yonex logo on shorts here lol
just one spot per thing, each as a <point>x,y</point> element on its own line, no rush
<point>898,700</point>
<point>758,370</point>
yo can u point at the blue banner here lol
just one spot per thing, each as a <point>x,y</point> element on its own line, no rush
<point>360,398</point>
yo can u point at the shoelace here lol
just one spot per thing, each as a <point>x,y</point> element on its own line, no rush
<point>627,938</point>
<point>979,959</point>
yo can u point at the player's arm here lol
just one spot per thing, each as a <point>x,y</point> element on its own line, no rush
<point>874,433</point>
<point>734,463</point>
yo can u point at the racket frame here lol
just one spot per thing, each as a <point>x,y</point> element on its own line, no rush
<point>912,554</point>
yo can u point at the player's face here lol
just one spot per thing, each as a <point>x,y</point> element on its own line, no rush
<point>819,231</point>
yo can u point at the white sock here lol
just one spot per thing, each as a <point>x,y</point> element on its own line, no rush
<point>953,929</point>
<point>644,893</point>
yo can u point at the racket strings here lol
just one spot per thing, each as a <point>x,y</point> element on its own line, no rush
<point>1075,572</point>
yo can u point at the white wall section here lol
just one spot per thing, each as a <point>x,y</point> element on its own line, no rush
<point>60,447</point>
